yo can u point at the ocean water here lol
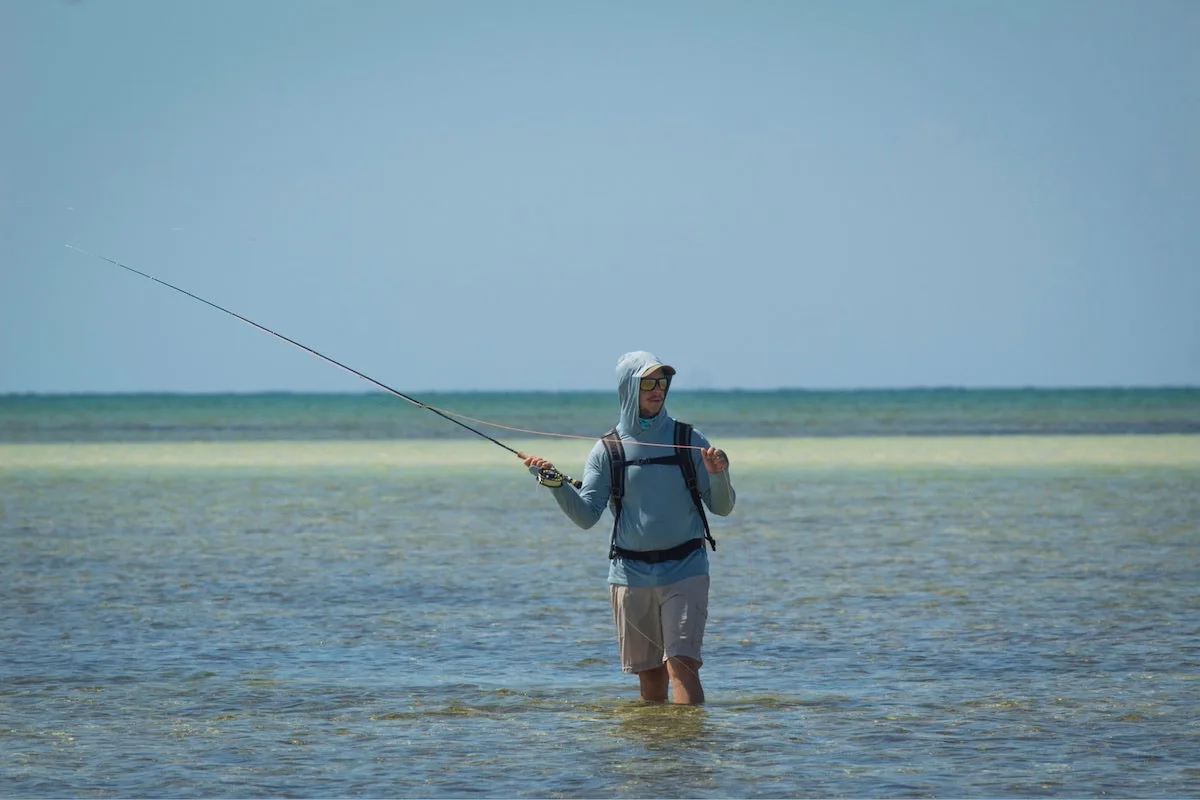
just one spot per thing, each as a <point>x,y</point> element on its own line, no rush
<point>192,607</point>
<point>783,413</point>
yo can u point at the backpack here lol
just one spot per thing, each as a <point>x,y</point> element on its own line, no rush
<point>616,466</point>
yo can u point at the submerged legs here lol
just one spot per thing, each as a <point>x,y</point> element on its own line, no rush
<point>683,676</point>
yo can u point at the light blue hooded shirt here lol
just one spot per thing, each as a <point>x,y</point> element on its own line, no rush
<point>657,512</point>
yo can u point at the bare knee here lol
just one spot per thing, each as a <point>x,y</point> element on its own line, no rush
<point>683,667</point>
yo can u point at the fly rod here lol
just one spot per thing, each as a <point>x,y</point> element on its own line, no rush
<point>322,356</point>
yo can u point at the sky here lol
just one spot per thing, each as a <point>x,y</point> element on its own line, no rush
<point>504,194</point>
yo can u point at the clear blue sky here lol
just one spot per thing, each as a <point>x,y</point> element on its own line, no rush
<point>505,195</point>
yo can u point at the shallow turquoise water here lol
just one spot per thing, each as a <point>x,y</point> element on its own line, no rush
<point>391,632</point>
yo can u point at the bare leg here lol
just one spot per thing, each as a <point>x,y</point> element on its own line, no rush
<point>654,684</point>
<point>685,680</point>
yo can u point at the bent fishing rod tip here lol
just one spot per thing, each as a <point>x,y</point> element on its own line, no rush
<point>443,414</point>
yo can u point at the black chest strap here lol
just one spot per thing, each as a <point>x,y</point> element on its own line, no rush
<point>681,457</point>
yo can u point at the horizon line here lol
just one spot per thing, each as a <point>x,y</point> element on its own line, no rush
<point>697,390</point>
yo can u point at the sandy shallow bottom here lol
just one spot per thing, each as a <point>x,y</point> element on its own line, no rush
<point>1005,451</point>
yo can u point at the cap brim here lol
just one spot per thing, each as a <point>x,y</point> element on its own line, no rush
<point>666,368</point>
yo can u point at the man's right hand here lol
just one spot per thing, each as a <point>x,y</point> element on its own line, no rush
<point>547,475</point>
<point>535,461</point>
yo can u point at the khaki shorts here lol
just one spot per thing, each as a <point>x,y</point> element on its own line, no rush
<point>655,623</point>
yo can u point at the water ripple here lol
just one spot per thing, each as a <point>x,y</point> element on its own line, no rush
<point>874,632</point>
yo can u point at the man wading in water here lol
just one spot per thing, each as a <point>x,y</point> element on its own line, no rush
<point>658,568</point>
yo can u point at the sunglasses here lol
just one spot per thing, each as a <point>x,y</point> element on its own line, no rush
<point>649,384</point>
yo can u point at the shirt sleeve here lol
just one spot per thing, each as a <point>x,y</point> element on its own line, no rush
<point>584,506</point>
<point>716,489</point>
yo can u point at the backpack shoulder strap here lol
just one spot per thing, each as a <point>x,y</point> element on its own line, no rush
<point>683,441</point>
<point>616,473</point>
<point>616,464</point>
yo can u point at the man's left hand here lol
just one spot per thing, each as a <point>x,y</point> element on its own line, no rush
<point>715,460</point>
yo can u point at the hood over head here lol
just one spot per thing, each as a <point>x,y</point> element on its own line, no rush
<point>631,367</point>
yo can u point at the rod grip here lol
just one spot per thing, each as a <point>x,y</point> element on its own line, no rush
<point>566,477</point>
